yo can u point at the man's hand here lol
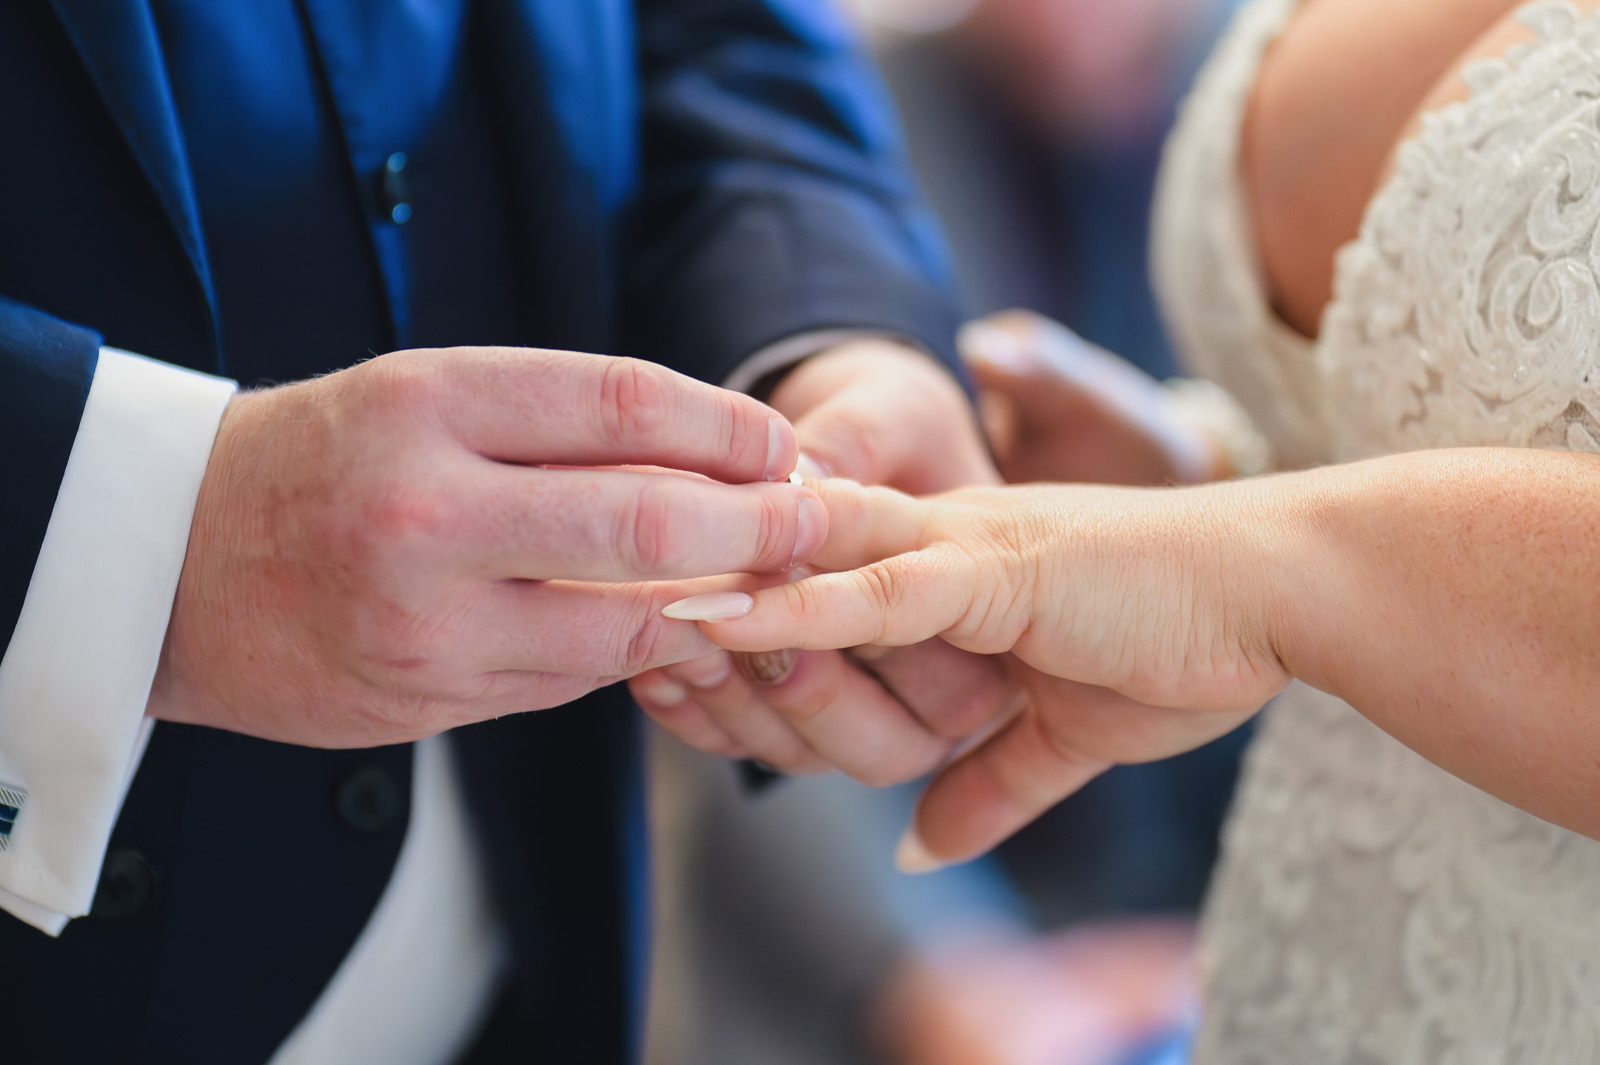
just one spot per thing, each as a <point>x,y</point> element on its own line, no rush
<point>437,537</point>
<point>881,413</point>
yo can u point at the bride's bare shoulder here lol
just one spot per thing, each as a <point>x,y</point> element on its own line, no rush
<point>1346,83</point>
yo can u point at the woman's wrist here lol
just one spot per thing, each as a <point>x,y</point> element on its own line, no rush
<point>1260,541</point>
<point>1313,565</point>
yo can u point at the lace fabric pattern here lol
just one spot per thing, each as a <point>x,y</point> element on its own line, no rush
<point>1468,310</point>
<point>1371,909</point>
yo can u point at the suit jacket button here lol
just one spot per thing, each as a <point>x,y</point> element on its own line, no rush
<point>367,799</point>
<point>395,189</point>
<point>127,884</point>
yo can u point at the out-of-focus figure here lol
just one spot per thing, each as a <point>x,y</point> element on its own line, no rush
<point>1036,127</point>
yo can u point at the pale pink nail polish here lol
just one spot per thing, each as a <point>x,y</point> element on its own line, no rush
<point>660,691</point>
<point>721,606</point>
<point>911,856</point>
<point>707,672</point>
<point>983,342</point>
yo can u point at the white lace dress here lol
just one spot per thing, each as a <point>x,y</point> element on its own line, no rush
<point>1370,908</point>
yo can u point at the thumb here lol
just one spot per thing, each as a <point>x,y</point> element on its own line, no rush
<point>872,435</point>
<point>991,792</point>
<point>849,436</point>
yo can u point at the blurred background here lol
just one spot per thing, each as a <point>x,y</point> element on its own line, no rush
<point>784,934</point>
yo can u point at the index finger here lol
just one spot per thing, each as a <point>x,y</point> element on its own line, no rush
<point>904,595</point>
<point>901,601</point>
<point>530,405</point>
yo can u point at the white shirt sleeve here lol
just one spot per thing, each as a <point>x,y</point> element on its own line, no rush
<point>76,676</point>
<point>782,354</point>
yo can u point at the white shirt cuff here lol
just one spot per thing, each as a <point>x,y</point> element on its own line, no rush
<point>788,351</point>
<point>76,676</point>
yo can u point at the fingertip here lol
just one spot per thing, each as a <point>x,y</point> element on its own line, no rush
<point>715,608</point>
<point>911,855</point>
<point>782,450</point>
<point>705,673</point>
<point>986,345</point>
<point>811,529</point>
<point>963,813</point>
<point>658,689</point>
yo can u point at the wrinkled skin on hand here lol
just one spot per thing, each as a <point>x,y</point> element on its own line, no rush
<point>434,538</point>
<point>881,413</point>
<point>1115,611</point>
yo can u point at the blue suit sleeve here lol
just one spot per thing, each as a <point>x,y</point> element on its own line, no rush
<point>775,196</point>
<point>46,366</point>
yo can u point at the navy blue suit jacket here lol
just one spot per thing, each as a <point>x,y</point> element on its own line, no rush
<point>692,179</point>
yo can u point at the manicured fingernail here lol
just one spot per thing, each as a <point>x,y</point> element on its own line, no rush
<point>707,672</point>
<point>776,467</point>
<point>983,342</point>
<point>912,857</point>
<point>811,525</point>
<point>721,606</point>
<point>809,468</point>
<point>766,668</point>
<point>660,691</point>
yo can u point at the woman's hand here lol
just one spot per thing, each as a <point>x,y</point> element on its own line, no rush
<point>1123,614</point>
<point>1057,408</point>
<point>1446,595</point>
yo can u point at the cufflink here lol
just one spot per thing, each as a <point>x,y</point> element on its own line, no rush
<point>11,800</point>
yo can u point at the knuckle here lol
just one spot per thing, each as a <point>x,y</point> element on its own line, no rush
<point>807,602</point>
<point>390,528</point>
<point>407,384</point>
<point>885,590</point>
<point>649,540</point>
<point>399,514</point>
<point>633,399</point>
<point>403,649</point>
<point>802,707</point>
<point>642,645</point>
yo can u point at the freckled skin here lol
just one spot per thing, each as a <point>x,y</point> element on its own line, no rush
<point>1449,596</point>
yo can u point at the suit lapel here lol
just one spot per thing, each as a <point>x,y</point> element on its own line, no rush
<point>116,40</point>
